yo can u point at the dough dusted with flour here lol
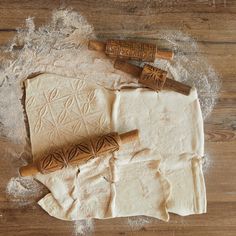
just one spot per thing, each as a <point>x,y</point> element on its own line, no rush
<point>64,110</point>
<point>138,187</point>
<point>137,180</point>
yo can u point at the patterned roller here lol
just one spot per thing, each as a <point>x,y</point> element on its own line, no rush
<point>130,50</point>
<point>76,154</point>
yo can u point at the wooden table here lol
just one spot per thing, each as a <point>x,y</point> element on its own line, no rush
<point>213,25</point>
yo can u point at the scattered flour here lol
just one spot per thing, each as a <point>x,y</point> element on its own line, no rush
<point>23,190</point>
<point>58,48</point>
<point>206,162</point>
<point>138,222</point>
<point>84,227</point>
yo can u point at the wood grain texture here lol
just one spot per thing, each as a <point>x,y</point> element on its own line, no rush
<point>213,24</point>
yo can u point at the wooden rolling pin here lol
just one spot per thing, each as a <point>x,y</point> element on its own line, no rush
<point>130,50</point>
<point>152,77</point>
<point>79,153</point>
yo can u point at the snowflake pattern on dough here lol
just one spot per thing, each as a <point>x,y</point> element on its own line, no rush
<point>62,112</point>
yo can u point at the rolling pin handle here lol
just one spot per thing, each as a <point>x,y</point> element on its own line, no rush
<point>168,55</point>
<point>127,67</point>
<point>130,136</point>
<point>30,169</point>
<point>96,45</point>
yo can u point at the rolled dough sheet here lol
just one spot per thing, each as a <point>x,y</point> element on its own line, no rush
<point>171,126</point>
<point>140,179</point>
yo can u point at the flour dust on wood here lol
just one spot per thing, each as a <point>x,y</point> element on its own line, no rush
<point>23,190</point>
<point>84,227</point>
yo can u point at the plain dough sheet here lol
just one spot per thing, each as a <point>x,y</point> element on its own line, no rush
<point>160,173</point>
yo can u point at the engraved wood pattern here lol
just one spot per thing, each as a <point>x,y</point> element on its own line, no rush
<point>106,143</point>
<point>131,50</point>
<point>52,162</point>
<point>153,77</point>
<point>74,154</point>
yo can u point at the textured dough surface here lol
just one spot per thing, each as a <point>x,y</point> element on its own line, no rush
<point>159,174</point>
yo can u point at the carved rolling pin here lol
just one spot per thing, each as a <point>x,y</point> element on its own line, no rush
<point>152,77</point>
<point>78,153</point>
<point>130,50</point>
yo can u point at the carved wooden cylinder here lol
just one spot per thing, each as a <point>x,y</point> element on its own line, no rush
<point>131,50</point>
<point>58,158</point>
<point>83,151</point>
<point>153,77</point>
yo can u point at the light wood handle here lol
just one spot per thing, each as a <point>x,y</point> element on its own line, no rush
<point>130,50</point>
<point>129,137</point>
<point>59,158</point>
<point>96,45</point>
<point>30,169</point>
<point>152,77</point>
<point>168,55</point>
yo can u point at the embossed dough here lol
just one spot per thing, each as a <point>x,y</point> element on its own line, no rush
<point>161,173</point>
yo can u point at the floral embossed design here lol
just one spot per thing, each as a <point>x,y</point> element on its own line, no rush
<point>52,95</point>
<point>109,142</point>
<point>52,161</point>
<point>79,152</point>
<point>64,112</point>
<point>131,50</point>
<point>153,77</point>
<point>83,151</point>
<point>30,102</point>
<point>39,123</point>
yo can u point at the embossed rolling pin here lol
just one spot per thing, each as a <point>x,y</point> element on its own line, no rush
<point>130,50</point>
<point>152,77</point>
<point>78,153</point>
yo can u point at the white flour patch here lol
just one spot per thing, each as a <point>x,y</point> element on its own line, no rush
<point>23,190</point>
<point>207,162</point>
<point>138,222</point>
<point>84,227</point>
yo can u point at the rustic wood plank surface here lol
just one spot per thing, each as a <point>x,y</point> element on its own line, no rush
<point>213,25</point>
